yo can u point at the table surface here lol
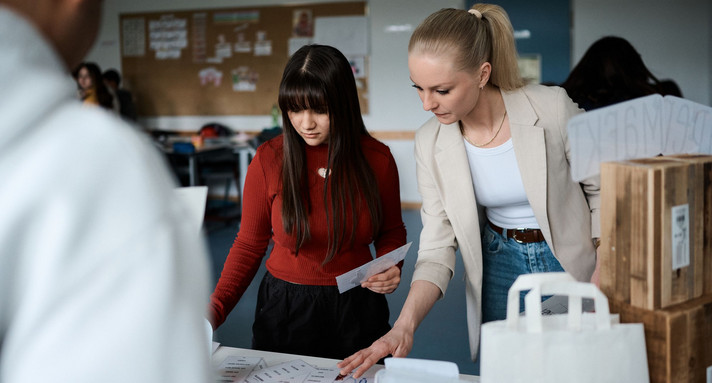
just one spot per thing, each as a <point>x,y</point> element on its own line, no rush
<point>274,358</point>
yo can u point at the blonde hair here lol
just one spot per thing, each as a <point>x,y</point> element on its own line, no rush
<point>473,40</point>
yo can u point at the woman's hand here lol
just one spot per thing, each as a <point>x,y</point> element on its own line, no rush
<point>385,282</point>
<point>397,342</point>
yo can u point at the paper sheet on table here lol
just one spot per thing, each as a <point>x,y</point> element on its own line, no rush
<point>245,369</point>
<point>407,370</point>
<point>209,333</point>
<point>295,371</point>
<point>353,278</point>
<point>238,368</point>
<point>323,375</point>
<point>193,199</point>
<point>559,304</point>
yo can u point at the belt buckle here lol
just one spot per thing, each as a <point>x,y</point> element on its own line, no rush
<point>514,234</point>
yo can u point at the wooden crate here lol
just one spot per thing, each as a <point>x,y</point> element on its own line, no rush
<point>640,244</point>
<point>678,339</point>
<point>701,172</point>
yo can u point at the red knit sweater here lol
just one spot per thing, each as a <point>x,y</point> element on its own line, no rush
<point>262,221</point>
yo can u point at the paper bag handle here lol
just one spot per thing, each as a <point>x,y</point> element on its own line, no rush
<point>527,282</point>
<point>575,291</point>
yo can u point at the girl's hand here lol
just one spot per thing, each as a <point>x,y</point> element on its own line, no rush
<point>385,282</point>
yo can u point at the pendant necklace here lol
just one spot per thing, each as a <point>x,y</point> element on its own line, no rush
<point>493,137</point>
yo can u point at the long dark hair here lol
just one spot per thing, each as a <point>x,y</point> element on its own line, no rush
<point>102,93</point>
<point>610,71</point>
<point>320,78</point>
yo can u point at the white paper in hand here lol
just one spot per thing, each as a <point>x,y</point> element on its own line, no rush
<point>353,278</point>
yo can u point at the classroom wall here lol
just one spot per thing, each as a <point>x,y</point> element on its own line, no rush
<point>674,38</point>
<point>543,29</point>
<point>394,105</point>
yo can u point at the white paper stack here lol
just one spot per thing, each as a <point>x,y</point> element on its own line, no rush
<point>405,370</point>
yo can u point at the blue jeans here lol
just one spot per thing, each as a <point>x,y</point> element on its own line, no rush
<point>503,260</point>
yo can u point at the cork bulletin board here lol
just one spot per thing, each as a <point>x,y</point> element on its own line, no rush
<point>229,61</point>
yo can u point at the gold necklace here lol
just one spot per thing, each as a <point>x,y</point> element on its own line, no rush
<point>493,137</point>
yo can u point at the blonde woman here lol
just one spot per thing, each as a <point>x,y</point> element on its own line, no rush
<point>493,173</point>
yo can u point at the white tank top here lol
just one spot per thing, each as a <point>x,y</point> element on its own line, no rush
<point>498,186</point>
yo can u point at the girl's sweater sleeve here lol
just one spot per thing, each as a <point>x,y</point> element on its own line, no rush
<point>251,242</point>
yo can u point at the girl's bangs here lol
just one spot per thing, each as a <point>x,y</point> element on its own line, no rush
<point>303,94</point>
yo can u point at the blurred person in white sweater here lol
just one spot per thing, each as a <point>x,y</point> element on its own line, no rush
<point>101,277</point>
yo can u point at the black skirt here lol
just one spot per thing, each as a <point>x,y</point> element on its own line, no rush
<point>317,320</point>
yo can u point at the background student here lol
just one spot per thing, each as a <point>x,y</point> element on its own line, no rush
<point>493,159</point>
<point>612,71</point>
<point>91,87</point>
<point>123,97</point>
<point>323,191</point>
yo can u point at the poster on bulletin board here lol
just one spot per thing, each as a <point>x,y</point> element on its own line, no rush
<point>229,61</point>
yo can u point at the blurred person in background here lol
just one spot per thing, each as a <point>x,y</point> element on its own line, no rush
<point>102,278</point>
<point>123,97</point>
<point>91,87</point>
<point>612,71</point>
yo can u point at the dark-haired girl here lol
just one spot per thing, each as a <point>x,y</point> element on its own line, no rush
<point>323,191</point>
<point>91,87</point>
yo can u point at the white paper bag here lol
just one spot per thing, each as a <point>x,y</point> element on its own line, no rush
<point>562,348</point>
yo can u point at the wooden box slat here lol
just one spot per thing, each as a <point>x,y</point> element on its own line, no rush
<point>678,339</point>
<point>701,170</point>
<point>637,198</point>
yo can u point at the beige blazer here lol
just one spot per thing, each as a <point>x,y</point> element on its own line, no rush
<point>567,211</point>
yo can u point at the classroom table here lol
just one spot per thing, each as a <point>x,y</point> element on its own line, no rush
<point>274,358</point>
<point>198,154</point>
<point>243,151</point>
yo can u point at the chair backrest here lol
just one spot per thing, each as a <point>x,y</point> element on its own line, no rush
<point>265,135</point>
<point>214,129</point>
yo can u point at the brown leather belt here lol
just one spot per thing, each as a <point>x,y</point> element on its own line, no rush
<point>520,235</point>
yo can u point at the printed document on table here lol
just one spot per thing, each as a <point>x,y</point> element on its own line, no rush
<point>295,371</point>
<point>559,304</point>
<point>323,375</point>
<point>247,369</point>
<point>353,278</point>
<point>238,368</point>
